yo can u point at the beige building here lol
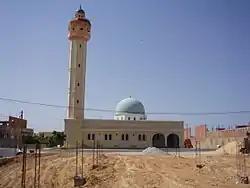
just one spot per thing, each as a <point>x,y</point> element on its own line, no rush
<point>130,127</point>
<point>45,134</point>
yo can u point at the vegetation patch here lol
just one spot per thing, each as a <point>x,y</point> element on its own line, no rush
<point>56,139</point>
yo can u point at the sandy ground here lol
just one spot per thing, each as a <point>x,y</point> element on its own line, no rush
<point>58,170</point>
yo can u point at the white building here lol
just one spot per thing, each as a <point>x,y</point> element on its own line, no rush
<point>130,109</point>
<point>130,127</point>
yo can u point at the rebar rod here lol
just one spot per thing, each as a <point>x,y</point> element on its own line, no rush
<point>35,176</point>
<point>82,157</point>
<point>93,157</point>
<point>76,158</point>
<point>23,183</point>
<point>39,166</point>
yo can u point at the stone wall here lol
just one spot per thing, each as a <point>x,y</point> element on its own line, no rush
<point>211,142</point>
<point>7,143</point>
<point>210,139</point>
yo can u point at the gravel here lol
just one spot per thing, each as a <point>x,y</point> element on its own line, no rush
<point>153,150</point>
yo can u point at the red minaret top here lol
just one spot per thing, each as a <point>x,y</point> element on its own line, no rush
<point>79,27</point>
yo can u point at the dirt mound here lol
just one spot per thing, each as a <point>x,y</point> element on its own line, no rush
<point>229,148</point>
<point>6,161</point>
<point>103,175</point>
<point>152,150</point>
<point>102,156</point>
<point>58,171</point>
<point>18,159</point>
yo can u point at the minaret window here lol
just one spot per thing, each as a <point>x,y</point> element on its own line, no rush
<point>79,65</point>
<point>80,45</point>
<point>78,84</point>
<point>81,28</point>
<point>77,101</point>
<point>126,136</point>
<point>89,137</point>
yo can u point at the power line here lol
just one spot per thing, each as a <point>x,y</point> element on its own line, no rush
<point>106,110</point>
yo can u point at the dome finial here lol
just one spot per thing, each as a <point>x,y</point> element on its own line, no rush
<point>80,12</point>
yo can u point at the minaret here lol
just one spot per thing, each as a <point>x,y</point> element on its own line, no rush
<point>78,34</point>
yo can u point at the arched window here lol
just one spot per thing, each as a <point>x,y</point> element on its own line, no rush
<point>134,118</point>
<point>106,137</point>
<point>93,136</point>
<point>126,136</point>
<point>143,137</point>
<point>128,118</point>
<point>157,137</point>
<point>110,136</point>
<point>123,137</point>
<point>89,137</point>
<point>139,137</point>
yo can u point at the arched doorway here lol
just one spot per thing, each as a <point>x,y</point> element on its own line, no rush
<point>173,141</point>
<point>158,140</point>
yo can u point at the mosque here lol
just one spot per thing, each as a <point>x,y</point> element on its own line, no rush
<point>130,127</point>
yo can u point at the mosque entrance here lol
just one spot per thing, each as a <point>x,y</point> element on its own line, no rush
<point>173,141</point>
<point>158,140</point>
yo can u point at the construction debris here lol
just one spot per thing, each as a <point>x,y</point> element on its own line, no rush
<point>198,155</point>
<point>241,168</point>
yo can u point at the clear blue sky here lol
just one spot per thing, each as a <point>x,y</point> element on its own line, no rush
<point>174,56</point>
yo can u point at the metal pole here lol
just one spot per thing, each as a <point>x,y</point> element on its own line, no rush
<point>97,153</point>
<point>82,157</point>
<point>39,164</point>
<point>23,183</point>
<point>76,158</point>
<point>93,159</point>
<point>35,177</point>
<point>199,152</point>
<point>196,152</point>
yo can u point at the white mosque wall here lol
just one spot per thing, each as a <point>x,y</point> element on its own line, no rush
<point>78,131</point>
<point>125,134</point>
<point>124,138</point>
<point>132,117</point>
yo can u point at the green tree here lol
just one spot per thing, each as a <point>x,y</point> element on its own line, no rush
<point>57,138</point>
<point>34,139</point>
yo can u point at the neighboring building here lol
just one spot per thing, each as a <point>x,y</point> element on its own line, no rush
<point>12,130</point>
<point>187,132</point>
<point>45,134</point>
<point>220,136</point>
<point>130,127</point>
<point>201,132</point>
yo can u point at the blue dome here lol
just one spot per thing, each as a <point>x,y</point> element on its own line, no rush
<point>131,106</point>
